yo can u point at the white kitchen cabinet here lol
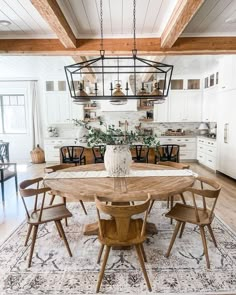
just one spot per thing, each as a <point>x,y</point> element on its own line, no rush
<point>209,108</point>
<point>57,107</point>
<point>161,112</point>
<point>77,111</point>
<point>187,146</point>
<point>226,135</point>
<point>185,106</point>
<point>206,152</point>
<point>227,72</point>
<point>52,148</point>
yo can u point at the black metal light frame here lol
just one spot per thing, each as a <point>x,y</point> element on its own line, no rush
<point>122,68</point>
<point>135,66</point>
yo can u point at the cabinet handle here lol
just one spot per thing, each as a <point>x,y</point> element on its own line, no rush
<point>210,161</point>
<point>56,146</point>
<point>226,129</point>
<point>183,145</point>
<point>210,151</point>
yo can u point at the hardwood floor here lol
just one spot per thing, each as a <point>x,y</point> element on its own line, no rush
<point>12,214</point>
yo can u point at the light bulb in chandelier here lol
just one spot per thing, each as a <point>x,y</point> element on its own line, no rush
<point>143,91</point>
<point>84,99</point>
<point>118,93</point>
<point>157,92</point>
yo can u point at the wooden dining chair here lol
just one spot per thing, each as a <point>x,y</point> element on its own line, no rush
<point>140,153</point>
<point>54,168</point>
<point>41,214</point>
<point>170,200</point>
<point>122,230</point>
<point>98,153</point>
<point>7,171</point>
<point>200,215</point>
<point>73,154</point>
<point>167,152</point>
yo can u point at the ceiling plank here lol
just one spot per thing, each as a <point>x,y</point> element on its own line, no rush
<point>89,72</point>
<point>146,46</point>
<point>51,12</point>
<point>181,16</point>
<point>147,76</point>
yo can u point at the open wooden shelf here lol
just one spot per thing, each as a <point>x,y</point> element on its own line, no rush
<point>145,108</point>
<point>91,120</point>
<point>146,120</point>
<point>90,108</point>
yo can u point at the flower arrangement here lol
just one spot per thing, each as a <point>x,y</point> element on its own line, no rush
<point>115,136</point>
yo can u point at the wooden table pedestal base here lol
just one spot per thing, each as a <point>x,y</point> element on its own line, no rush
<point>92,229</point>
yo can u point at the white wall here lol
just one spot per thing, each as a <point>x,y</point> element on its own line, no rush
<point>26,68</point>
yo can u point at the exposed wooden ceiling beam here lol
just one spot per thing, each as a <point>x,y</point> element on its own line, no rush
<point>91,47</point>
<point>51,12</point>
<point>181,16</point>
<point>89,72</point>
<point>147,76</point>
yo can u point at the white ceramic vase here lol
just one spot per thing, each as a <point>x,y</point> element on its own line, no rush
<point>117,160</point>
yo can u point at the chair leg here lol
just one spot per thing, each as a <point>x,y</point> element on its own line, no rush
<point>101,274</point>
<point>52,200</point>
<point>2,189</point>
<point>204,242</point>
<point>183,199</point>
<point>140,258</point>
<point>212,235</point>
<point>100,253</point>
<point>16,184</point>
<point>143,253</point>
<point>150,207</point>
<point>168,202</point>
<point>28,234</point>
<point>58,229</point>
<point>82,204</point>
<point>171,206</point>
<point>35,230</point>
<point>64,237</point>
<point>182,229</point>
<point>173,238</point>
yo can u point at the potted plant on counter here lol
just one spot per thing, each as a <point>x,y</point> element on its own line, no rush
<point>117,158</point>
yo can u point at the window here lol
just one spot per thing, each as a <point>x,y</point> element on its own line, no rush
<point>177,84</point>
<point>194,84</point>
<point>212,79</point>
<point>13,114</point>
<point>206,83</point>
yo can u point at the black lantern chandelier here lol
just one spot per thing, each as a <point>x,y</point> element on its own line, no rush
<point>119,78</point>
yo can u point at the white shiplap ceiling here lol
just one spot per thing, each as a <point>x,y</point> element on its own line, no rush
<point>25,20</point>
<point>84,17</point>
<point>211,18</point>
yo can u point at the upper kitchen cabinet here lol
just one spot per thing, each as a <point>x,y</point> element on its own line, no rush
<point>185,106</point>
<point>161,112</point>
<point>57,107</point>
<point>227,72</point>
<point>209,108</point>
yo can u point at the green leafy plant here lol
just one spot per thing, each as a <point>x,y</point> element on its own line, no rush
<point>114,136</point>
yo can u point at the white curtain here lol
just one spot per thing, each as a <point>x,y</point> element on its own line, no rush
<point>37,137</point>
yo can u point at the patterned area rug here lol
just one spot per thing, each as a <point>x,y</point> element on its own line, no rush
<point>54,272</point>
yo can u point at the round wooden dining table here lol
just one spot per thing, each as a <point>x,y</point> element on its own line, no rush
<point>118,189</point>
